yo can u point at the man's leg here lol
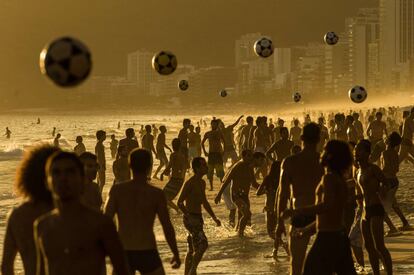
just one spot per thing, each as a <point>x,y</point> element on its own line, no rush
<point>200,244</point>
<point>369,246</point>
<point>210,175</point>
<point>298,247</point>
<point>101,179</point>
<point>189,255</point>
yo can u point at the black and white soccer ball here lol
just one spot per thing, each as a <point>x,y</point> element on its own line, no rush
<point>331,38</point>
<point>183,85</point>
<point>297,97</point>
<point>263,47</point>
<point>223,93</point>
<point>358,94</point>
<point>164,62</point>
<point>66,61</point>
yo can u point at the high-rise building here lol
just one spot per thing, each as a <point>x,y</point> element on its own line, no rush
<point>211,80</point>
<point>282,60</point>
<point>396,39</point>
<point>140,70</point>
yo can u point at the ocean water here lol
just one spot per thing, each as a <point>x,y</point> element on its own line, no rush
<point>227,254</point>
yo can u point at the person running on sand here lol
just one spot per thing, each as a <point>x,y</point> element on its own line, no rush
<point>73,238</point>
<point>372,183</point>
<point>160,148</point>
<point>37,201</point>
<point>300,187</point>
<point>136,203</point>
<point>331,251</point>
<point>192,197</point>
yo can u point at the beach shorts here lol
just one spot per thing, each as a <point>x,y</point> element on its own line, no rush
<point>227,198</point>
<point>215,162</point>
<point>330,254</point>
<point>241,200</point>
<point>375,210</point>
<point>172,188</point>
<point>162,157</point>
<point>301,221</point>
<point>230,154</point>
<point>355,234</point>
<point>196,238</point>
<point>143,261</point>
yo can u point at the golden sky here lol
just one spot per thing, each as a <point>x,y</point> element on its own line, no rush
<point>200,32</point>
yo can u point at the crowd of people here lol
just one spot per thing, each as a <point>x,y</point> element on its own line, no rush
<point>337,181</point>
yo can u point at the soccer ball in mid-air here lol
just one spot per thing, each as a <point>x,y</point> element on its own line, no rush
<point>358,94</point>
<point>297,97</point>
<point>164,62</point>
<point>183,85</point>
<point>223,93</point>
<point>66,61</point>
<point>263,47</point>
<point>331,38</point>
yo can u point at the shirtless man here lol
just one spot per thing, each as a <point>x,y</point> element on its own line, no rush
<point>100,154</point>
<point>376,129</point>
<point>331,251</point>
<point>262,136</point>
<point>120,167</point>
<point>129,141</point>
<point>161,155</point>
<point>194,142</point>
<point>358,126</point>
<point>229,149</point>
<point>350,130</point>
<point>295,133</point>
<point>56,140</point>
<point>301,174</point>
<point>183,136</point>
<point>113,146</point>
<point>241,177</point>
<point>340,129</point>
<point>80,147</point>
<point>245,133</point>
<point>74,239</point>
<point>407,146</point>
<point>215,151</point>
<point>91,196</point>
<point>37,201</point>
<point>192,197</point>
<point>276,131</point>
<point>324,134</point>
<point>136,203</point>
<point>148,142</point>
<point>8,133</point>
<point>372,182</point>
<point>282,148</point>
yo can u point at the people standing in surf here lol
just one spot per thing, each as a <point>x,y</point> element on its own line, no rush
<point>216,143</point>
<point>192,197</point>
<point>175,169</point>
<point>300,175</point>
<point>80,147</point>
<point>100,154</point>
<point>372,183</point>
<point>113,146</point>
<point>73,238</point>
<point>37,200</point>
<point>136,203</point>
<point>331,251</point>
<point>53,131</point>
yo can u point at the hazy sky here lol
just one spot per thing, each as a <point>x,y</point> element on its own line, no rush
<point>200,32</point>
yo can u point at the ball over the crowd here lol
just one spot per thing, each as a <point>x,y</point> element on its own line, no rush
<point>358,94</point>
<point>331,38</point>
<point>164,62</point>
<point>66,61</point>
<point>223,93</point>
<point>183,85</point>
<point>297,97</point>
<point>263,47</point>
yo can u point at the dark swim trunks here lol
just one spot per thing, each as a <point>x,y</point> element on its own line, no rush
<point>172,188</point>
<point>375,210</point>
<point>143,261</point>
